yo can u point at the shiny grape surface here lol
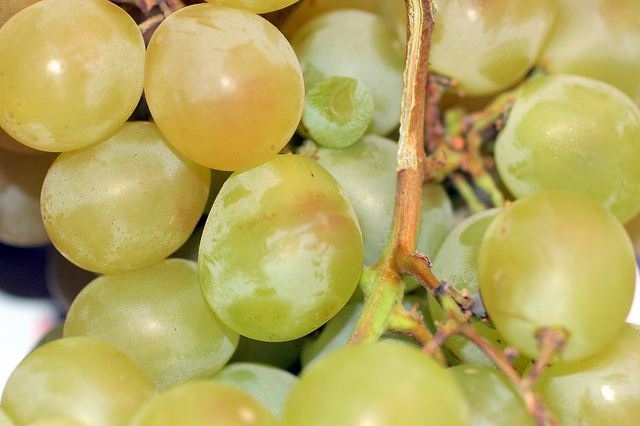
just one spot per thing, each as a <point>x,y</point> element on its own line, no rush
<point>60,91</point>
<point>159,318</point>
<point>602,390</point>
<point>80,378</point>
<point>545,261</point>
<point>357,44</point>
<point>125,203</point>
<point>210,71</point>
<point>198,402</point>
<point>501,40</point>
<point>575,134</point>
<point>256,6</point>
<point>597,39</point>
<point>281,251</point>
<point>385,383</point>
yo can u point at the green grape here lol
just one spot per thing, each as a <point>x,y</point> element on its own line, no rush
<point>357,44</point>
<point>493,399</point>
<point>54,333</point>
<point>4,419</point>
<point>602,390</point>
<point>500,41</point>
<point>269,385</point>
<point>281,251</point>
<point>223,85</point>
<point>256,6</point>
<point>367,172</point>
<point>200,403</point>
<point>557,259</point>
<point>8,8</point>
<point>457,262</point>
<point>71,73</point>
<point>576,134</point>
<point>159,318</point>
<point>21,178</point>
<point>597,39</point>
<point>79,378</point>
<point>125,203</point>
<point>57,421</point>
<point>337,112</point>
<point>385,383</point>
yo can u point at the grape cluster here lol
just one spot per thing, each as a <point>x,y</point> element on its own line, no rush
<point>236,225</point>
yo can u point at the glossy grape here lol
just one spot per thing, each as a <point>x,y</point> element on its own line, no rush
<point>597,39</point>
<point>159,318</point>
<point>357,44</point>
<point>60,91</point>
<point>200,403</point>
<point>256,6</point>
<point>281,251</point>
<point>223,85</point>
<point>80,378</point>
<point>557,259</point>
<point>575,134</point>
<point>125,203</point>
<point>493,399</point>
<point>602,390</point>
<point>385,383</point>
<point>488,46</point>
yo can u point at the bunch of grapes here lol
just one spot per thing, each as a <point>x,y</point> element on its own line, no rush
<point>349,212</point>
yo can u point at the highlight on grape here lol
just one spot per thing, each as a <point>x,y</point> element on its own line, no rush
<point>345,212</point>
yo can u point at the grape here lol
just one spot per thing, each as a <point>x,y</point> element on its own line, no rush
<point>71,73</point>
<point>356,44</point>
<point>256,6</point>
<point>269,385</point>
<point>10,144</point>
<point>597,39</point>
<point>457,262</point>
<point>79,378</point>
<point>493,399</point>
<point>501,40</point>
<point>278,354</point>
<point>386,383</point>
<point>281,251</point>
<point>602,390</point>
<point>21,178</point>
<point>4,419</point>
<point>576,134</point>
<point>159,318</point>
<point>223,85</point>
<point>366,171</point>
<point>125,203</point>
<point>337,112</point>
<point>200,403</point>
<point>557,259</point>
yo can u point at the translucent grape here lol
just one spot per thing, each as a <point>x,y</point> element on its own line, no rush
<point>602,390</point>
<point>80,378</point>
<point>357,44</point>
<point>557,259</point>
<point>597,39</point>
<point>488,46</point>
<point>281,251</point>
<point>256,6</point>
<point>493,399</point>
<point>159,318</point>
<point>197,402</point>
<point>385,383</point>
<point>575,134</point>
<point>60,91</point>
<point>223,85</point>
<point>125,203</point>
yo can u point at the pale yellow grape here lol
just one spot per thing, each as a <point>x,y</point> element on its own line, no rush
<point>489,45</point>
<point>598,39</point>
<point>256,6</point>
<point>21,178</point>
<point>8,8</point>
<point>223,85</point>
<point>125,203</point>
<point>10,144</point>
<point>70,73</point>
